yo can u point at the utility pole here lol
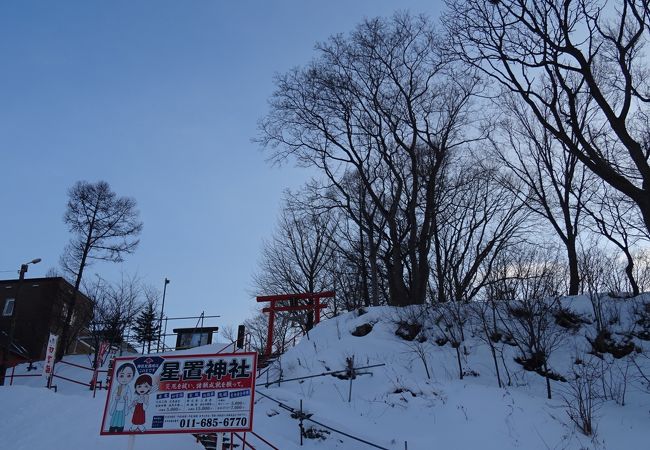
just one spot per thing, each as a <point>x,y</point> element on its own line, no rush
<point>162,311</point>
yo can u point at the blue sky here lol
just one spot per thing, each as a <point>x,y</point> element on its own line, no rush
<point>161,100</point>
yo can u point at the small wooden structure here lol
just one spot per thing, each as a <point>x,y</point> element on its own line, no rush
<point>309,302</point>
<point>193,337</point>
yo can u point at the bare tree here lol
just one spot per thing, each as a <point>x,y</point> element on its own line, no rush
<point>527,270</point>
<point>477,220</point>
<point>383,105</point>
<point>551,181</point>
<point>642,269</point>
<point>116,305</point>
<point>582,396</point>
<point>487,329</point>
<point>257,326</point>
<point>358,241</point>
<point>229,333</point>
<point>298,256</point>
<point>617,218</point>
<point>579,67</point>
<point>599,268</point>
<point>530,323</point>
<point>104,226</point>
<point>451,319</point>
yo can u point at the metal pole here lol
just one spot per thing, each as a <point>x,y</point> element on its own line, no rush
<point>162,311</point>
<point>302,430</point>
<point>350,391</point>
<point>165,333</point>
<point>352,375</point>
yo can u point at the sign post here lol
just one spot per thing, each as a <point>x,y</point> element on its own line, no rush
<point>203,393</point>
<point>50,351</point>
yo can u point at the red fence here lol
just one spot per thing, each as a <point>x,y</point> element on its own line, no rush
<point>13,375</point>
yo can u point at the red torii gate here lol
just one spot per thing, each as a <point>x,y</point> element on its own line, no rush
<point>313,304</point>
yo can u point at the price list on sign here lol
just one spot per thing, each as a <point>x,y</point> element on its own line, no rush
<point>181,394</point>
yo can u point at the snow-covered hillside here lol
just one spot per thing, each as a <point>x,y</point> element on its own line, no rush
<point>394,405</point>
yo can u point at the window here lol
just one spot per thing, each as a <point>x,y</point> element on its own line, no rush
<point>8,309</point>
<point>191,340</point>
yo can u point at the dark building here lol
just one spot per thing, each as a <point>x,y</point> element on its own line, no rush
<point>34,308</point>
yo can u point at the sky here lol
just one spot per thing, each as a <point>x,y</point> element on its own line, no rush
<point>160,99</point>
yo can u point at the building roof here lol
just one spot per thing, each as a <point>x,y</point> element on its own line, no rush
<point>196,330</point>
<point>65,284</point>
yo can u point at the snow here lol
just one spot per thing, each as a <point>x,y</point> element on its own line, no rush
<point>391,404</point>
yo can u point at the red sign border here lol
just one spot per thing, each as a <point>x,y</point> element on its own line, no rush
<point>193,431</point>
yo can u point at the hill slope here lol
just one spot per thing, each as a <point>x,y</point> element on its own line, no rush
<point>390,404</point>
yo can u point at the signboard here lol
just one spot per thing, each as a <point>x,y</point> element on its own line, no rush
<point>50,351</point>
<point>181,394</point>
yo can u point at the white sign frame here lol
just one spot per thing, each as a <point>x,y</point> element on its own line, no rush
<point>188,393</point>
<point>50,353</point>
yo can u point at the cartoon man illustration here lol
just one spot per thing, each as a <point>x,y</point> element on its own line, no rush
<point>122,398</point>
<point>140,402</point>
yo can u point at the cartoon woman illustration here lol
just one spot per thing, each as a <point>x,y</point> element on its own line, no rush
<point>121,400</point>
<point>140,402</point>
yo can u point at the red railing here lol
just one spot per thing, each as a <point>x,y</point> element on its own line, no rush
<point>13,375</point>
<point>291,342</point>
<point>246,443</point>
<point>54,375</point>
<point>93,387</point>
<point>249,440</point>
<point>75,365</point>
<point>246,344</point>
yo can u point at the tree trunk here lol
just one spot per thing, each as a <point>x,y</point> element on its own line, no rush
<point>574,273</point>
<point>65,332</point>
<point>460,364</point>
<point>374,271</point>
<point>548,382</point>
<point>644,205</point>
<point>494,358</point>
<point>363,273</point>
<point>629,271</point>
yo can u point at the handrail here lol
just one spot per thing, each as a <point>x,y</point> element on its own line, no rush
<point>323,374</point>
<point>291,341</point>
<point>75,365</point>
<point>70,380</point>
<point>210,438</point>
<point>245,444</point>
<point>247,337</point>
<point>263,440</point>
<point>13,375</point>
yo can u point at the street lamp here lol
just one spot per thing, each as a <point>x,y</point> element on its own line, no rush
<point>14,312</point>
<point>23,268</point>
